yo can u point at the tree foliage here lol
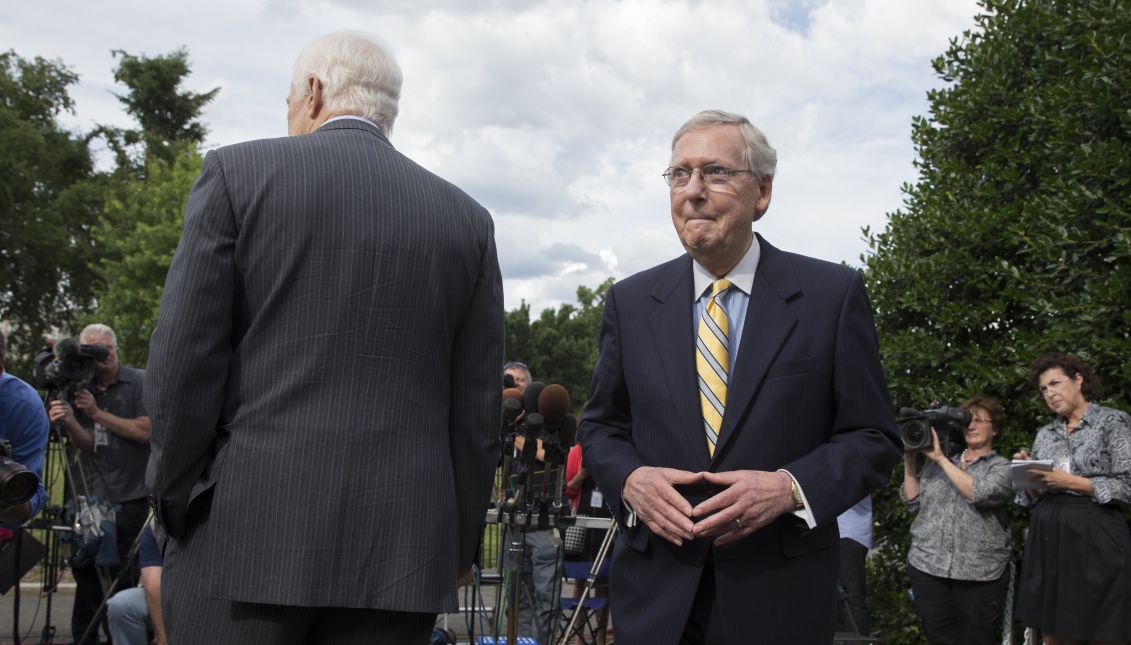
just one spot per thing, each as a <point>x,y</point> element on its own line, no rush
<point>560,346</point>
<point>1016,238</point>
<point>50,198</point>
<point>167,116</point>
<point>77,244</point>
<point>137,237</point>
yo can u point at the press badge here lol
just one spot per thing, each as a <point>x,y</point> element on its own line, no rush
<point>101,436</point>
<point>596,499</point>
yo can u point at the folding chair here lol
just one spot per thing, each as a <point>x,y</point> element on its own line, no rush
<point>595,620</point>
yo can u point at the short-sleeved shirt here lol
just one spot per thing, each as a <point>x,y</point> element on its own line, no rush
<point>116,470</point>
<point>148,553</point>
<point>24,424</point>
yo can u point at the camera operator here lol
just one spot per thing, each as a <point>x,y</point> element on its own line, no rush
<point>960,541</point>
<point>24,425</point>
<point>110,428</point>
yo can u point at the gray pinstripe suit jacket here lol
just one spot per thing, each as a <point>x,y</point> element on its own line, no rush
<point>323,380</point>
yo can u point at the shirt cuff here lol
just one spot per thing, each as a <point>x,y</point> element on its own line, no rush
<point>630,516</point>
<point>806,514</point>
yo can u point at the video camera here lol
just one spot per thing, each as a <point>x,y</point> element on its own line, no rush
<point>915,427</point>
<point>66,367</point>
<point>17,483</point>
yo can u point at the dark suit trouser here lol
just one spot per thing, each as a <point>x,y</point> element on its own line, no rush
<point>193,620</point>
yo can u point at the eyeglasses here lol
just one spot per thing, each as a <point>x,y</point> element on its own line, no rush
<point>713,176</point>
<point>981,421</point>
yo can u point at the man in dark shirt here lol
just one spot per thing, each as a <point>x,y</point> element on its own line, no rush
<point>110,429</point>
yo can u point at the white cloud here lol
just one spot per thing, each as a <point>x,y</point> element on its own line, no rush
<point>557,114</point>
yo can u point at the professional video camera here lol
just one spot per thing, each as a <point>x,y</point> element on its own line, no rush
<point>17,483</point>
<point>66,367</point>
<point>915,427</point>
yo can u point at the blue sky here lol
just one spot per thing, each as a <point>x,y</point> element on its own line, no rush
<point>557,114</point>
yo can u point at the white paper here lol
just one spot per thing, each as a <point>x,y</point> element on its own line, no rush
<point>1021,471</point>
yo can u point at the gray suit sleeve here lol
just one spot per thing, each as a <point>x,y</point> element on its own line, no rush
<point>476,393</point>
<point>191,347</point>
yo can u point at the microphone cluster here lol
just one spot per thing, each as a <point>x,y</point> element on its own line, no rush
<point>538,431</point>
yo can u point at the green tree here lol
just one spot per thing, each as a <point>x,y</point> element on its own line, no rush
<point>50,198</point>
<point>137,238</point>
<point>141,223</point>
<point>560,346</point>
<point>1015,239</point>
<point>166,115</point>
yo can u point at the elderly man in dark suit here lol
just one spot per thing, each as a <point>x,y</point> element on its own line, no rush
<point>323,380</point>
<point>738,407</point>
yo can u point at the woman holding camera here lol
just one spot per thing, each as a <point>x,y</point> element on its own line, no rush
<point>1076,573</point>
<point>960,536</point>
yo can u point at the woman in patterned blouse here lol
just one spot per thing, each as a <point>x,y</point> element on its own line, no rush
<point>1076,573</point>
<point>960,541</point>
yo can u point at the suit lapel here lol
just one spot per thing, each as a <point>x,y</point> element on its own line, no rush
<point>769,322</point>
<point>671,326</point>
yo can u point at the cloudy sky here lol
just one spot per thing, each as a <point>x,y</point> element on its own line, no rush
<point>557,114</point>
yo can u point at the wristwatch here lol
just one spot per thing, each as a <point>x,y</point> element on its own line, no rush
<point>798,503</point>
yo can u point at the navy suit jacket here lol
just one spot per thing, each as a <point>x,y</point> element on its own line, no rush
<point>807,394</point>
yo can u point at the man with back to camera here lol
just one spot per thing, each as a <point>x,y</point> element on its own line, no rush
<point>738,406</point>
<point>24,425</point>
<point>110,428</point>
<point>323,377</point>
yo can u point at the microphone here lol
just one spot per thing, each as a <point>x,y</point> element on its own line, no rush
<point>511,410</point>
<point>508,380</point>
<point>554,404</point>
<point>66,346</point>
<point>530,396</point>
<point>532,426</point>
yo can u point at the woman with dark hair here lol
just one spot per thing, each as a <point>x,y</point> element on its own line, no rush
<point>1076,573</point>
<point>960,537</point>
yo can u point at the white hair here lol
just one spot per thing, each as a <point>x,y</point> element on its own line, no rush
<point>759,155</point>
<point>359,76</point>
<point>97,329</point>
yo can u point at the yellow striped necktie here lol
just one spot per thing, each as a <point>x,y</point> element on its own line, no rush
<point>712,361</point>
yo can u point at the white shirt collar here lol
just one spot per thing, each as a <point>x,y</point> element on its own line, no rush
<point>350,116</point>
<point>741,275</point>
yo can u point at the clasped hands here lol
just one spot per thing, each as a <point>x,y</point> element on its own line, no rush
<point>750,499</point>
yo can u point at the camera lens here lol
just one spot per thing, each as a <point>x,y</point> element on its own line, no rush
<point>916,434</point>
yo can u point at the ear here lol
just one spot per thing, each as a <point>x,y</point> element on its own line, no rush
<point>313,97</point>
<point>765,190</point>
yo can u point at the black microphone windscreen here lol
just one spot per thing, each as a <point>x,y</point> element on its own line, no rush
<point>533,423</point>
<point>530,396</point>
<point>508,380</point>
<point>908,412</point>
<point>511,408</point>
<point>66,346</point>
<point>567,432</point>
